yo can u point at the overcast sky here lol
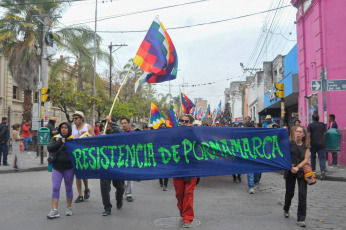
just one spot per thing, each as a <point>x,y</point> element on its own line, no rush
<point>207,53</point>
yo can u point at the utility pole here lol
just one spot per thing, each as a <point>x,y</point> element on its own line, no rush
<point>94,75</point>
<point>110,65</point>
<point>44,57</point>
<point>44,72</point>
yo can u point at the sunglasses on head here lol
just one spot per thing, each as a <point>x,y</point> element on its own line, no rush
<point>184,121</point>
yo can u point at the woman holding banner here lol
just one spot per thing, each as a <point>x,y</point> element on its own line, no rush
<point>184,187</point>
<point>300,153</point>
<point>62,169</point>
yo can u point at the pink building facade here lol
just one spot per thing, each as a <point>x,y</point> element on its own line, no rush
<point>321,45</point>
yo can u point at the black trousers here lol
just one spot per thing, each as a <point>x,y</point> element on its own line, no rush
<point>164,181</point>
<point>302,194</point>
<point>105,185</point>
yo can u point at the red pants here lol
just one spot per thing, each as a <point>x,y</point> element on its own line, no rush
<point>184,195</point>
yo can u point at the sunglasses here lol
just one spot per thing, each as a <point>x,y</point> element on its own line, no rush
<point>75,118</point>
<point>184,121</point>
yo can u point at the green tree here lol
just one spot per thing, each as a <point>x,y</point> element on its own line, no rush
<point>21,37</point>
<point>67,98</point>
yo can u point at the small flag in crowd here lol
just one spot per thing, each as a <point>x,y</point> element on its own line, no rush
<point>199,114</point>
<point>219,110</point>
<point>187,104</point>
<point>172,120</point>
<point>207,113</point>
<point>156,56</point>
<point>193,111</point>
<point>156,118</point>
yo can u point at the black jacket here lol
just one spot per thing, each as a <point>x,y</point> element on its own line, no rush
<point>4,134</point>
<point>57,148</point>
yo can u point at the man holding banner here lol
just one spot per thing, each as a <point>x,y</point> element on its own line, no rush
<point>125,125</point>
<point>105,184</point>
<point>184,187</point>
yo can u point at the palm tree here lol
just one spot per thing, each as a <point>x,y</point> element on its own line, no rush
<point>79,42</point>
<point>21,37</point>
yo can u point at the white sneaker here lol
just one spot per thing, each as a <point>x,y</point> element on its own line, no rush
<point>251,191</point>
<point>68,211</point>
<point>53,214</point>
<point>301,224</point>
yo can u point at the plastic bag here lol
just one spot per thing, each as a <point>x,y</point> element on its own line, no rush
<point>21,146</point>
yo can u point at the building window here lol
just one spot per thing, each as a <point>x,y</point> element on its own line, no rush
<point>36,97</point>
<point>307,3</point>
<point>15,92</point>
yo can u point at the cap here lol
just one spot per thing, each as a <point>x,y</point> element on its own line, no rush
<point>197,122</point>
<point>268,117</point>
<point>52,119</point>
<point>78,113</point>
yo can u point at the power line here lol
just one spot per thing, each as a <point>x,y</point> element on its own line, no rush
<point>41,3</point>
<point>136,12</point>
<point>200,24</point>
<point>265,40</point>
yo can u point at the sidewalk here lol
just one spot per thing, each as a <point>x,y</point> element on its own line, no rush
<point>28,162</point>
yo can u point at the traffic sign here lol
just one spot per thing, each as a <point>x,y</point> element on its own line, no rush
<point>316,85</point>
<point>336,85</point>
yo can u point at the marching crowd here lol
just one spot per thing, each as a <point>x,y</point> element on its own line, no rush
<point>304,144</point>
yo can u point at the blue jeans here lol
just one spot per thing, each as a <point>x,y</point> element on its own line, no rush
<point>321,157</point>
<point>26,141</point>
<point>4,152</point>
<point>252,179</point>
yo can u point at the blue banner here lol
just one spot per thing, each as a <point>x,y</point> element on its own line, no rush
<point>180,152</point>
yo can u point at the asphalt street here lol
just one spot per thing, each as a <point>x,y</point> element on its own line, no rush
<point>25,200</point>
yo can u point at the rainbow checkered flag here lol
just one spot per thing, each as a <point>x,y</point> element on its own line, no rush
<point>156,56</point>
<point>172,119</point>
<point>186,104</point>
<point>156,118</point>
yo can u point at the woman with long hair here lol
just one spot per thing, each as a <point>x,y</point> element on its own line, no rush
<point>62,169</point>
<point>300,153</point>
<point>16,146</point>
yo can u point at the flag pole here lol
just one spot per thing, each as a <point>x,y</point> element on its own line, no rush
<point>116,96</point>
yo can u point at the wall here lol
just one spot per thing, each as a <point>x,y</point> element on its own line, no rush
<point>320,42</point>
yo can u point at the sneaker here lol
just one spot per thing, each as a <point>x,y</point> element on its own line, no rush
<point>86,194</point>
<point>129,198</point>
<point>286,214</point>
<point>119,205</point>
<point>53,214</point>
<point>257,185</point>
<point>79,199</point>
<point>301,224</point>
<point>164,188</point>
<point>106,213</point>
<point>68,211</point>
<point>187,225</point>
<point>251,191</point>
<point>323,175</point>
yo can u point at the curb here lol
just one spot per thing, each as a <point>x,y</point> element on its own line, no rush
<point>35,169</point>
<point>328,178</point>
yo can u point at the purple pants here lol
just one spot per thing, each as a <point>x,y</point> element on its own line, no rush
<point>57,177</point>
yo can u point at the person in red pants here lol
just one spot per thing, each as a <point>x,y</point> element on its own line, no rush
<point>184,187</point>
